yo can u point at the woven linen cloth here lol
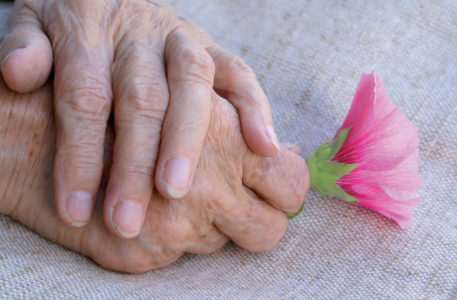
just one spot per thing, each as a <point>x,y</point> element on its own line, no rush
<point>308,56</point>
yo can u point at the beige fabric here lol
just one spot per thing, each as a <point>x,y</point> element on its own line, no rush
<point>308,56</point>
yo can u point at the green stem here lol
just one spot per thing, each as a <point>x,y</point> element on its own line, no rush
<point>324,173</point>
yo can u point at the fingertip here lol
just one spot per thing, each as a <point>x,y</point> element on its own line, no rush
<point>124,207</point>
<point>73,207</point>
<point>75,193</point>
<point>27,68</point>
<point>282,182</point>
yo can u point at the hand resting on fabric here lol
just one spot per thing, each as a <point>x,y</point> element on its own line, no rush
<point>156,70</point>
<point>236,194</point>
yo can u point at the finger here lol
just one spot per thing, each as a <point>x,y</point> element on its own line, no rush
<point>181,227</point>
<point>282,181</point>
<point>133,256</point>
<point>190,73</point>
<point>82,106</point>
<point>140,102</point>
<point>250,222</point>
<point>236,82</point>
<point>26,53</point>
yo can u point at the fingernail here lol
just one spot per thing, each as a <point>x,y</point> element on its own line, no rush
<point>128,218</point>
<point>273,137</point>
<point>79,208</point>
<point>176,176</point>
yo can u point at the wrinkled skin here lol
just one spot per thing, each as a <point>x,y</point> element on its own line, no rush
<point>156,71</point>
<point>223,202</point>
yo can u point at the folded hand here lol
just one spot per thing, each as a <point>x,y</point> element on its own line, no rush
<point>156,71</point>
<point>235,195</point>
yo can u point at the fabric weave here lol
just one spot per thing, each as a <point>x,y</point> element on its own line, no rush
<point>308,56</point>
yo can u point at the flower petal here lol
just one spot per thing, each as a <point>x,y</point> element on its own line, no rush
<point>376,198</point>
<point>361,112</point>
<point>382,143</point>
<point>396,179</point>
<point>399,211</point>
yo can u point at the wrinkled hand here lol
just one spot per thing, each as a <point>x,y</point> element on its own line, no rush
<point>141,60</point>
<point>235,194</point>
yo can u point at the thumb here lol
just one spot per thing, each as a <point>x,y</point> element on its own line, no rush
<point>25,55</point>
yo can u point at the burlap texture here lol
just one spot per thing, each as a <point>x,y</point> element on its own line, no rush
<point>308,56</point>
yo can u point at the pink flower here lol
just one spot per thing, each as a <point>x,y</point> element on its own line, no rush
<point>373,159</point>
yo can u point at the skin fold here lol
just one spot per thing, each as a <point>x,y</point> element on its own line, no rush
<point>235,195</point>
<point>155,71</point>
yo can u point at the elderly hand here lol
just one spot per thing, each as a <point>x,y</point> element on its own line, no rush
<point>156,71</point>
<point>235,194</point>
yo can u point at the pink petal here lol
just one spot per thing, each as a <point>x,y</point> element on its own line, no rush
<point>362,109</point>
<point>383,143</point>
<point>379,200</point>
<point>410,163</point>
<point>397,179</point>
<point>399,194</point>
<point>399,211</point>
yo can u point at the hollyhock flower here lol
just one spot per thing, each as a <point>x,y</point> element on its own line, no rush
<point>373,159</point>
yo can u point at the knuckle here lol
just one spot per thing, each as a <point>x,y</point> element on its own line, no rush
<point>89,107</point>
<point>139,169</point>
<point>146,125</point>
<point>88,101</point>
<point>151,99</point>
<point>200,66</point>
<point>27,13</point>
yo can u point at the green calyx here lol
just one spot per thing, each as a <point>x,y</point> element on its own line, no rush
<point>324,173</point>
